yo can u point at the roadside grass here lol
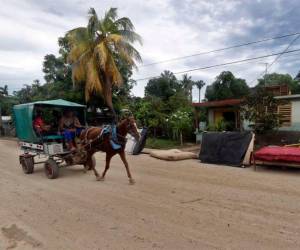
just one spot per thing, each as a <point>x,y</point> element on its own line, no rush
<point>158,143</point>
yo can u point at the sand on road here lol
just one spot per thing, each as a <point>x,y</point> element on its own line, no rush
<point>173,205</point>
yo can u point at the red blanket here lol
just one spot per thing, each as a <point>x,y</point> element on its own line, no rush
<point>279,154</point>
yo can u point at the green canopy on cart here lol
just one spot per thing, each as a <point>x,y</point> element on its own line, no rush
<point>23,116</point>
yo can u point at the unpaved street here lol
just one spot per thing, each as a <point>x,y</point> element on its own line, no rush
<point>182,205</point>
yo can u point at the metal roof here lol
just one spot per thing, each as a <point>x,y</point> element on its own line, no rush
<point>284,97</point>
<point>57,102</point>
<point>219,103</point>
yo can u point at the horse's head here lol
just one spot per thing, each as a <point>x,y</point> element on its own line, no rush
<point>131,127</point>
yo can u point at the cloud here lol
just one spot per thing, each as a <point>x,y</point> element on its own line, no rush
<point>171,28</point>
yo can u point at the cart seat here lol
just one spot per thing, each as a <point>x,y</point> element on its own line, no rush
<point>53,137</point>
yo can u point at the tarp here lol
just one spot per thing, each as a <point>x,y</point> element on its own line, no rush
<point>227,148</point>
<point>278,154</point>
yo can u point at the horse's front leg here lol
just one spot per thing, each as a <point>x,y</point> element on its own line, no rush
<point>123,158</point>
<point>107,164</point>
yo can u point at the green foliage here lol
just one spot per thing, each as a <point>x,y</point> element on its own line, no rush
<point>163,87</point>
<point>259,109</point>
<point>280,79</point>
<point>151,113</point>
<point>226,86</point>
<point>97,51</point>
<point>6,101</point>
<point>220,126</point>
<point>180,121</point>
<point>297,78</point>
<point>159,143</point>
<point>165,98</point>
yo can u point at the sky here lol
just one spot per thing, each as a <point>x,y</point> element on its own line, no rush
<point>29,29</point>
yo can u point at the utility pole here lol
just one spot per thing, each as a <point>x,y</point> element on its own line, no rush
<point>266,71</point>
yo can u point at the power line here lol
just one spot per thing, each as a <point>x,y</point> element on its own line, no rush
<point>223,64</point>
<point>221,49</point>
<point>286,49</point>
<point>275,60</point>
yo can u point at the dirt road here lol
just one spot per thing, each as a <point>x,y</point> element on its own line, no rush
<point>182,205</point>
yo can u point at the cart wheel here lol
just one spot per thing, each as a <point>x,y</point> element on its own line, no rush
<point>51,169</point>
<point>90,163</point>
<point>27,164</point>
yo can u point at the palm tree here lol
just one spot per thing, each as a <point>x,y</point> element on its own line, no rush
<point>96,50</point>
<point>4,91</point>
<point>200,84</point>
<point>187,84</point>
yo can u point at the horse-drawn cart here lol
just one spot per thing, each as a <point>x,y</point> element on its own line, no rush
<point>49,149</point>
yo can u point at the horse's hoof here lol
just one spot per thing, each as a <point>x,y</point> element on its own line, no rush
<point>100,178</point>
<point>131,181</point>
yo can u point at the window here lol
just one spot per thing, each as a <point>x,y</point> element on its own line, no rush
<point>285,114</point>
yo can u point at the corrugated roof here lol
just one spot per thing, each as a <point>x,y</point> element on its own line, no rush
<point>219,103</point>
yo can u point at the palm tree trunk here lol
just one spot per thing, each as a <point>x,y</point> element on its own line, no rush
<point>107,91</point>
<point>199,94</point>
<point>181,139</point>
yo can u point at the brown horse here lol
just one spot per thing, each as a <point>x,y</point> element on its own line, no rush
<point>94,141</point>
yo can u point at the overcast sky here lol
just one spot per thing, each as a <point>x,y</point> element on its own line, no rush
<point>29,30</point>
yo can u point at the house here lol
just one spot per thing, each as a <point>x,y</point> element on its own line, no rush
<point>229,110</point>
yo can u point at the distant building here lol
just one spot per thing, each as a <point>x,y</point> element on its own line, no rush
<point>229,110</point>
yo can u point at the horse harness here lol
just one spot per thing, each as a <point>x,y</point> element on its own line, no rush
<point>106,130</point>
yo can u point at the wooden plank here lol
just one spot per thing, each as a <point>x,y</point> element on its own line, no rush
<point>247,158</point>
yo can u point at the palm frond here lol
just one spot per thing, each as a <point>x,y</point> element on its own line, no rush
<point>93,22</point>
<point>77,35</point>
<point>93,82</point>
<point>112,14</point>
<point>131,36</point>
<point>79,68</point>
<point>131,51</point>
<point>124,23</point>
<point>102,52</point>
<point>113,72</point>
<point>77,51</point>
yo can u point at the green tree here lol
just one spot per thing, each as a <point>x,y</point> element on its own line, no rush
<point>187,85</point>
<point>4,91</point>
<point>94,50</point>
<point>54,69</point>
<point>163,87</point>
<point>226,86</point>
<point>297,77</point>
<point>151,113</point>
<point>259,109</point>
<point>280,79</point>
<point>180,121</point>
